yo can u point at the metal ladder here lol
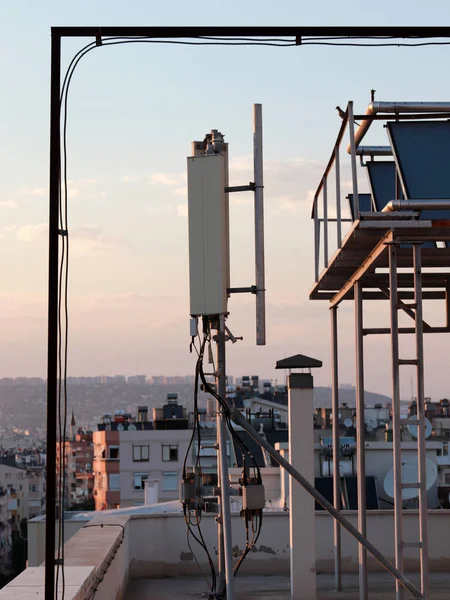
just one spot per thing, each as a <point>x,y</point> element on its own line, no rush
<point>415,310</point>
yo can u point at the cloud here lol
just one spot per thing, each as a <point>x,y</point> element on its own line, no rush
<point>5,230</point>
<point>159,210</point>
<point>37,191</point>
<point>182,210</point>
<point>128,179</point>
<point>168,178</point>
<point>181,191</point>
<point>84,239</point>
<point>8,204</point>
<point>32,233</point>
<point>87,239</point>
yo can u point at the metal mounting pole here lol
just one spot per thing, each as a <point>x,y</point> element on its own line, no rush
<point>337,166</point>
<point>396,424</point>
<point>259,226</point>
<point>53,292</point>
<point>423,527</point>
<point>336,446</point>
<point>351,130</point>
<point>325,223</point>
<point>360,430</point>
<point>224,519</point>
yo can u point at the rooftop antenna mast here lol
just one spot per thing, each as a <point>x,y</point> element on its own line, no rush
<point>209,265</point>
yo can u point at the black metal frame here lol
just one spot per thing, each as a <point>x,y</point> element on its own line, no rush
<point>55,147</point>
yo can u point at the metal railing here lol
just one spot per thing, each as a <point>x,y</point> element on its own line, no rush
<point>321,208</point>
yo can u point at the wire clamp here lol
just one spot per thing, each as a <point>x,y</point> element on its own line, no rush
<point>63,232</point>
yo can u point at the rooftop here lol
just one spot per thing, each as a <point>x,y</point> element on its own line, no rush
<point>381,587</point>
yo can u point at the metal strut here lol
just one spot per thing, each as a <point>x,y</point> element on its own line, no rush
<point>239,419</point>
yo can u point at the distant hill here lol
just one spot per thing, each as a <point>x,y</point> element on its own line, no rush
<point>322,397</point>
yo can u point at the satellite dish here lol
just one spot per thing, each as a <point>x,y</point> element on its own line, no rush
<point>120,427</point>
<point>131,427</point>
<point>348,423</point>
<point>413,429</point>
<point>410,475</point>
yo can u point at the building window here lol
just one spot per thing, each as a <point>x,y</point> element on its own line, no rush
<point>139,480</point>
<point>140,452</point>
<point>114,452</point>
<point>170,452</point>
<point>114,482</point>
<point>33,487</point>
<point>447,479</point>
<point>170,481</point>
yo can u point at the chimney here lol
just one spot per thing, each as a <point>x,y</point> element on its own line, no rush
<point>151,492</point>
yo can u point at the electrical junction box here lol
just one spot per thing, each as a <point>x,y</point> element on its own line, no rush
<point>253,497</point>
<point>208,231</point>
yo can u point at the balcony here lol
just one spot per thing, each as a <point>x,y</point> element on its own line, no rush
<point>144,554</point>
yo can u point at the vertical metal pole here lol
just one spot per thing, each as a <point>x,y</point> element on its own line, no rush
<point>351,130</point>
<point>337,166</point>
<point>316,240</point>
<point>396,424</point>
<point>220,538</point>
<point>223,456</point>
<point>423,526</point>
<point>325,222</point>
<point>259,226</point>
<point>360,430</point>
<point>52,348</point>
<point>336,446</point>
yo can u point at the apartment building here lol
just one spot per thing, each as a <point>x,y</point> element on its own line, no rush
<point>36,491</point>
<point>14,482</point>
<point>128,451</point>
<point>79,456</point>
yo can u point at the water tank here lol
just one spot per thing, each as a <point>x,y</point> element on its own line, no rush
<point>346,468</point>
<point>142,414</point>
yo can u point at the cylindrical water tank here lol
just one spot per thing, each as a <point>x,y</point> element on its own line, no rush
<point>346,468</point>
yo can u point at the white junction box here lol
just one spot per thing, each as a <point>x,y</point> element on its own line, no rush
<point>208,248</point>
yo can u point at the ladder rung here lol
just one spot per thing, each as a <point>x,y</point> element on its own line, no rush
<point>412,544</point>
<point>406,486</point>
<point>407,361</point>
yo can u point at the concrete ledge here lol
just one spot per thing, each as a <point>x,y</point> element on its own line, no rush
<point>96,560</point>
<point>30,584</point>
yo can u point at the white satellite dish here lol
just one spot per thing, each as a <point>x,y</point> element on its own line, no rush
<point>120,427</point>
<point>413,428</point>
<point>410,475</point>
<point>348,423</point>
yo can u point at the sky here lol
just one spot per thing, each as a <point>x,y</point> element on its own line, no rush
<point>133,112</point>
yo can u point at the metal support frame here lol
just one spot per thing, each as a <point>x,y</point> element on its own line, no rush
<point>351,130</point>
<point>338,196</point>
<point>239,419</point>
<point>396,423</point>
<point>325,223</point>
<point>360,447</point>
<point>176,32</point>
<point>421,442</point>
<point>225,559</point>
<point>336,446</point>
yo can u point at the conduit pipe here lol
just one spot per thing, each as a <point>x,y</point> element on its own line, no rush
<point>396,107</point>
<point>423,204</point>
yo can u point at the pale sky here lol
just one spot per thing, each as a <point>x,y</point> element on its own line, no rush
<point>133,112</point>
